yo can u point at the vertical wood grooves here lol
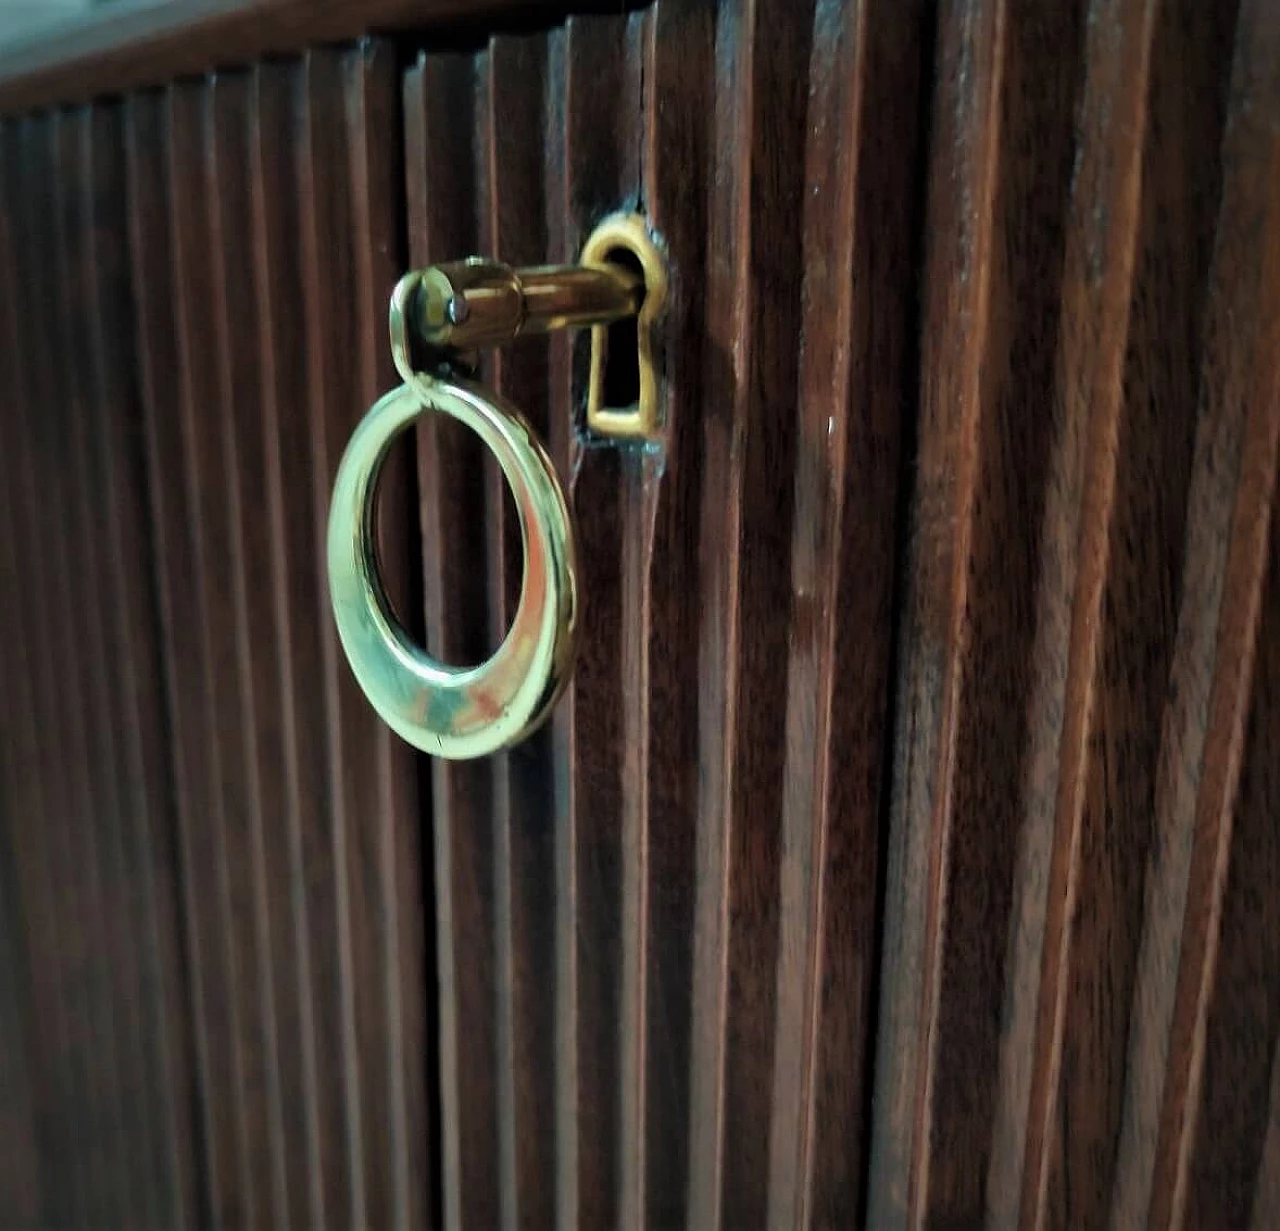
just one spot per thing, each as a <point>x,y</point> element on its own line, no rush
<point>80,815</point>
<point>1024,668</point>
<point>512,200</point>
<point>439,127</point>
<point>87,732</point>
<point>564,443</point>
<point>20,1135</point>
<point>655,923</point>
<point>299,899</point>
<point>72,142</point>
<point>859,211</point>
<point>1138,607</point>
<point>1267,1190</point>
<point>27,898</point>
<point>359,897</point>
<point>719,523</point>
<point>1232,488</point>
<point>1229,1149</point>
<point>345,184</point>
<point>1062,636</point>
<point>149,157</point>
<point>204,450</point>
<point>406,866</point>
<point>300,789</point>
<point>30,796</point>
<point>305,232</point>
<point>52,814</point>
<point>226,120</point>
<point>121,479</point>
<point>227,157</point>
<point>43,798</point>
<point>600,169</point>
<point>727,273</point>
<point>1224,748</point>
<point>504,1162</point>
<point>985,61</point>
<point>326,284</point>
<point>640,473</point>
<point>749,446</point>
<point>391,1038</point>
<point>42,668</point>
<point>1080,513</point>
<point>676,172</point>
<point>954,340</point>
<point>838,38</point>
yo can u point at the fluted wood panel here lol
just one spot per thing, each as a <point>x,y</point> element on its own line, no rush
<point>656,920</point>
<point>905,849</point>
<point>300,816</point>
<point>213,860</point>
<point>1080,763</point>
<point>91,824</point>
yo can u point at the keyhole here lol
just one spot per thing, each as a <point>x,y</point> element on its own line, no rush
<point>623,398</point>
<point>621,384</point>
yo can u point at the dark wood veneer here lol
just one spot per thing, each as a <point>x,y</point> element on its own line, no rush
<point>141,43</point>
<point>904,851</point>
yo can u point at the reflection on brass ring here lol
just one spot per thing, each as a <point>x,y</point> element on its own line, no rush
<point>455,712</point>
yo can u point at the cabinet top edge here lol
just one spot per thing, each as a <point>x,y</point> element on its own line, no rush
<point>141,44</point>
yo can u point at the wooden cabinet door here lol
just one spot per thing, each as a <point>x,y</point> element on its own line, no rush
<point>658,915</point>
<point>906,849</point>
<point>224,843</point>
<point>1077,1003</point>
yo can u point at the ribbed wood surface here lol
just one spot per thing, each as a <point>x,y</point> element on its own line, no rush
<point>1080,976</point>
<point>217,845</point>
<point>610,895</point>
<point>907,847</point>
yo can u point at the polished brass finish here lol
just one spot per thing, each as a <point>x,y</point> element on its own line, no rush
<point>627,233</point>
<point>476,303</point>
<point>448,311</point>
<point>456,712</point>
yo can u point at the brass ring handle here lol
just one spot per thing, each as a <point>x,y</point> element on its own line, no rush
<point>455,712</point>
<point>462,712</point>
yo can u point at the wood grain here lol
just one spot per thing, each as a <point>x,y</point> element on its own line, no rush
<point>749,446</point>
<point>903,851</point>
<point>120,478</point>
<point>297,853</point>
<point>596,166</point>
<point>511,212</point>
<point>439,132</point>
<point>88,730</point>
<point>350,248</point>
<point>30,796</point>
<point>1134,625</point>
<point>39,1040</point>
<point>230,816</point>
<point>82,817</point>
<point>372,93</point>
<point>859,237</point>
<point>1225,1155</point>
<point>1223,585</point>
<point>20,1166</point>
<point>144,43</point>
<point>319,850</point>
<point>1021,1066</point>
<point>121,883</point>
<point>998,181</point>
<point>613,1130</point>
<point>663,541</point>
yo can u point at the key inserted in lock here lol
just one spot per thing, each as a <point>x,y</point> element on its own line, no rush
<point>466,305</point>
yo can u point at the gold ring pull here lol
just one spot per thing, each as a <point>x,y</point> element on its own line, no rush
<point>462,712</point>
